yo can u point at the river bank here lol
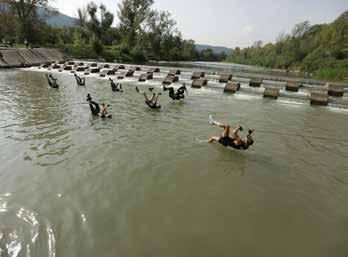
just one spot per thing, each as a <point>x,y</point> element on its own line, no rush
<point>23,57</point>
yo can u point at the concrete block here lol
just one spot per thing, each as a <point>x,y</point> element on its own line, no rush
<point>232,87</point>
<point>271,92</point>
<point>319,99</point>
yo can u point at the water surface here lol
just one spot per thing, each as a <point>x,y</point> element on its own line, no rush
<point>145,183</point>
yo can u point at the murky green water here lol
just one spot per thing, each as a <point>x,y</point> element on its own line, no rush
<point>144,184</point>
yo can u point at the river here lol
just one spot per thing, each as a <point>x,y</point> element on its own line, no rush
<point>145,183</point>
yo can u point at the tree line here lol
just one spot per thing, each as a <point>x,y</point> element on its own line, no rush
<point>142,32</point>
<point>320,50</point>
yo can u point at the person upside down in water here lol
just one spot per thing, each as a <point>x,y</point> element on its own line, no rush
<point>96,110</point>
<point>234,139</point>
<point>151,102</point>
<point>179,93</point>
<point>116,87</point>
<point>80,81</point>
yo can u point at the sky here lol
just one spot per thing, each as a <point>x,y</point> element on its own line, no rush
<point>232,23</point>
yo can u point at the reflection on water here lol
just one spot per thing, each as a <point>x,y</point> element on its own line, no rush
<point>147,184</point>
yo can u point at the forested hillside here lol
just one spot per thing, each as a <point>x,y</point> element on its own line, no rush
<point>321,50</point>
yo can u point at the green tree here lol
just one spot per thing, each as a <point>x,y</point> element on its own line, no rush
<point>132,14</point>
<point>26,12</point>
<point>98,27</point>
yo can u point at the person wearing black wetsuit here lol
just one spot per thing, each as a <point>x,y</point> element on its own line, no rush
<point>232,140</point>
<point>179,93</point>
<point>151,102</point>
<point>95,108</point>
<point>80,81</point>
<point>52,82</point>
<point>116,87</point>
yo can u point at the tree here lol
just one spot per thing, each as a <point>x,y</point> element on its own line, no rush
<point>159,28</point>
<point>132,14</point>
<point>98,27</point>
<point>300,29</point>
<point>26,12</point>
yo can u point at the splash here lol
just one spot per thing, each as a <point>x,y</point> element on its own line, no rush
<point>23,232</point>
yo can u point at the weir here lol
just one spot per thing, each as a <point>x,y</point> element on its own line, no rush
<point>285,89</point>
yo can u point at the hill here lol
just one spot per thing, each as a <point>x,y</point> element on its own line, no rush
<point>215,49</point>
<point>320,49</point>
<point>55,18</point>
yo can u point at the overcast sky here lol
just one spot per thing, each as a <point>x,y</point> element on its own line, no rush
<point>232,23</point>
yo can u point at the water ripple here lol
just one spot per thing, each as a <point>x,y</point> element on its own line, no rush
<point>24,232</point>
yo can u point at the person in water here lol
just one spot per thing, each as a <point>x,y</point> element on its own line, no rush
<point>52,81</point>
<point>234,139</point>
<point>95,108</point>
<point>179,93</point>
<point>151,102</point>
<point>116,87</point>
<point>80,81</point>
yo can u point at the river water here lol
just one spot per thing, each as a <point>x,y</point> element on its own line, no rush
<point>146,184</point>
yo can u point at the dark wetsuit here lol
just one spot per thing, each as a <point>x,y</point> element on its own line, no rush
<point>95,109</point>
<point>178,95</point>
<point>227,141</point>
<point>52,81</point>
<point>152,105</point>
<point>115,88</point>
<point>80,81</point>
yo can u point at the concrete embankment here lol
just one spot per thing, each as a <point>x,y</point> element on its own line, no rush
<point>22,57</point>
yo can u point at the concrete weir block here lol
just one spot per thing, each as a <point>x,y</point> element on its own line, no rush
<point>119,67</point>
<point>319,99</point>
<point>198,83</point>
<point>292,86</point>
<point>106,66</point>
<point>81,68</point>
<point>68,67</point>
<point>61,62</point>
<point>271,92</point>
<point>255,82</point>
<point>169,79</point>
<point>70,63</point>
<point>225,77</point>
<point>197,75</point>
<point>146,76</point>
<point>129,73</point>
<point>232,87</point>
<point>94,64</point>
<point>55,66</point>
<point>335,90</point>
<point>174,72</point>
<point>154,70</point>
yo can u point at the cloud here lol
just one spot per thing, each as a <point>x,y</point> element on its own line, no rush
<point>248,29</point>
